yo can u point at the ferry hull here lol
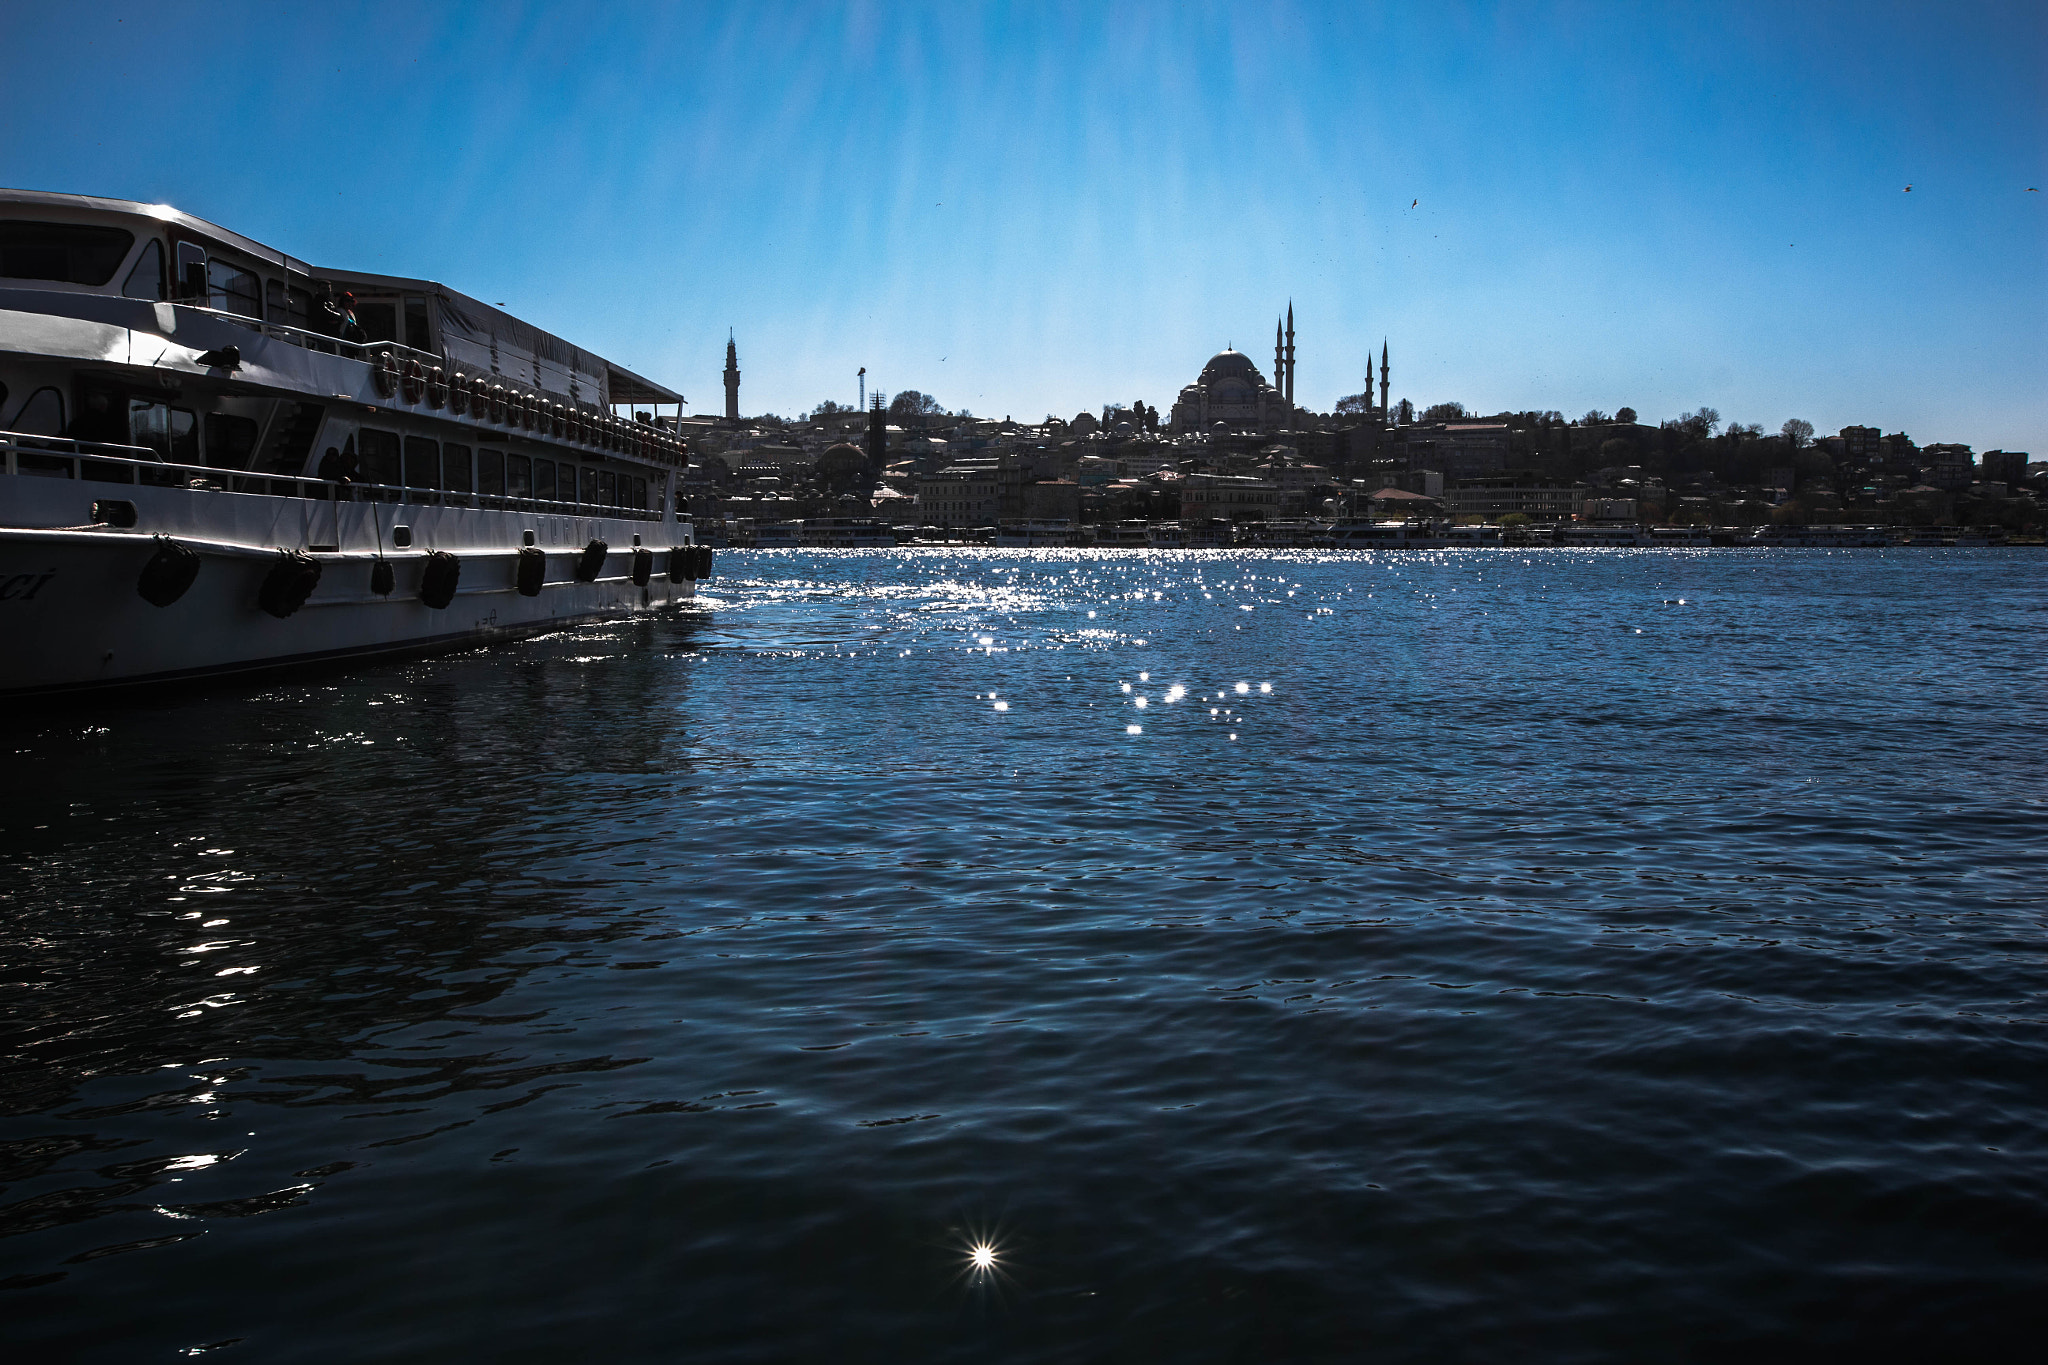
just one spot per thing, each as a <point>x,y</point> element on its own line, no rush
<point>74,617</point>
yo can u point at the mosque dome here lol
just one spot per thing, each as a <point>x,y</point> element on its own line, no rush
<point>1232,364</point>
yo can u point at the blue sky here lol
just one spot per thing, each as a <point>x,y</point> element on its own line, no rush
<point>1042,208</point>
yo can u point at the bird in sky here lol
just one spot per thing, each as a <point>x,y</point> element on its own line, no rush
<point>1907,190</point>
<point>2033,189</point>
<point>1413,203</point>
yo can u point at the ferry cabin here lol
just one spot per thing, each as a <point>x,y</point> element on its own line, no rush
<point>161,376</point>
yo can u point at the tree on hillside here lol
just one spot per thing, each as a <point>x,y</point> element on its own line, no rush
<point>1354,404</point>
<point>828,408</point>
<point>1797,430</point>
<point>1626,415</point>
<point>1594,418</point>
<point>911,403</point>
<point>1444,412</point>
<point>1404,412</point>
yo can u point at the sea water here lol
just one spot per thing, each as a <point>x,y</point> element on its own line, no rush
<point>1057,956</point>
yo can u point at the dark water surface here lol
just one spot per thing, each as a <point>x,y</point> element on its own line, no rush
<point>1574,955</point>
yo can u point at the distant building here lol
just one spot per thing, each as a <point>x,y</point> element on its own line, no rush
<point>1860,444</point>
<point>1458,449</point>
<point>1536,498</point>
<point>958,496</point>
<point>1229,497</point>
<point>1230,391</point>
<point>1950,466</point>
<point>2004,466</point>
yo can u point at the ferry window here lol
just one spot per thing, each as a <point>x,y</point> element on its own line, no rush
<point>232,289</point>
<point>70,253</point>
<point>490,472</point>
<point>518,476</point>
<point>639,494</point>
<point>589,490</point>
<point>607,489</point>
<point>422,463</point>
<point>274,304</point>
<point>377,453</point>
<point>146,280</point>
<point>173,433</point>
<point>299,307</point>
<point>378,318</point>
<point>417,334</point>
<point>544,480</point>
<point>455,467</point>
<point>42,414</point>
<point>230,440</point>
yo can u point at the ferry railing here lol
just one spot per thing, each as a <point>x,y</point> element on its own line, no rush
<point>105,462</point>
<point>317,341</point>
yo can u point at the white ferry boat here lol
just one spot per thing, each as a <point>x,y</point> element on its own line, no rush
<point>219,459</point>
<point>847,533</point>
<point>1038,534</point>
<point>1360,533</point>
<point>1600,537</point>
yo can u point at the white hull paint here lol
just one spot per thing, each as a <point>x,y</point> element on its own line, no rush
<point>73,617</point>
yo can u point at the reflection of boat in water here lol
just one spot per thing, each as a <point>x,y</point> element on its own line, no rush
<point>1363,534</point>
<point>221,459</point>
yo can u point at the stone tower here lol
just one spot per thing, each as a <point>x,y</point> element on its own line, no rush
<point>1383,378</point>
<point>732,380</point>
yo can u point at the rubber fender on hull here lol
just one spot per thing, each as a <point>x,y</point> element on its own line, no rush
<point>703,561</point>
<point>169,573</point>
<point>437,582</point>
<point>590,563</point>
<point>289,583</point>
<point>382,578</point>
<point>682,564</point>
<point>643,567</point>
<point>533,571</point>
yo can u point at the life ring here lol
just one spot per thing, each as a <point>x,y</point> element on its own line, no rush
<point>289,583</point>
<point>385,372</point>
<point>533,571</point>
<point>438,579</point>
<point>458,393</point>
<point>168,574</point>
<point>590,563</point>
<point>412,381</point>
<point>643,566</point>
<point>437,388</point>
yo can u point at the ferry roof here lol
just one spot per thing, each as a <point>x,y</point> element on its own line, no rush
<point>459,312</point>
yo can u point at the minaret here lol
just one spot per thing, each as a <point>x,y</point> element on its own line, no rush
<point>1290,355</point>
<point>732,380</point>
<point>1279,362</point>
<point>1383,379</point>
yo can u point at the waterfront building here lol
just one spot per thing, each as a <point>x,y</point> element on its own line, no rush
<point>1227,497</point>
<point>960,496</point>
